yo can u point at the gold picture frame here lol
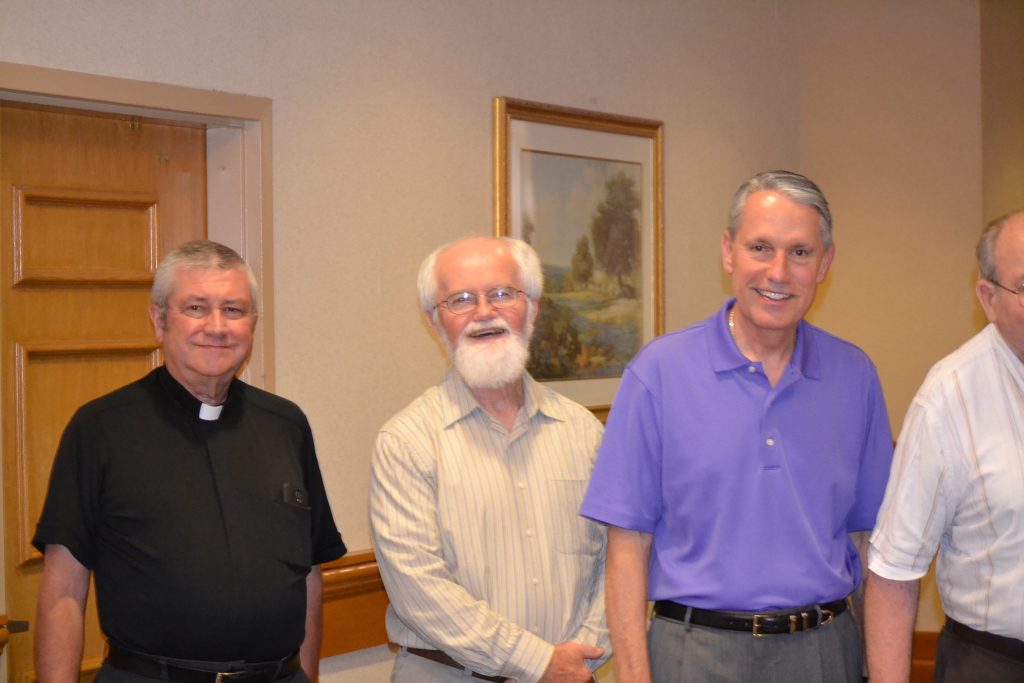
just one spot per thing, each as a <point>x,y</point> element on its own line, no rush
<point>585,189</point>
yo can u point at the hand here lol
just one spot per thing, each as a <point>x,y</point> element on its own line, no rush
<point>568,663</point>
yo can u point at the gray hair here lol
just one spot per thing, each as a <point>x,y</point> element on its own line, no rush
<point>524,255</point>
<point>986,249</point>
<point>794,187</point>
<point>198,255</point>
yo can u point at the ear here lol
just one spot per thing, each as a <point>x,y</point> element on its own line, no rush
<point>434,320</point>
<point>986,291</point>
<point>727,252</point>
<point>826,263</point>
<point>158,324</point>
<point>536,312</point>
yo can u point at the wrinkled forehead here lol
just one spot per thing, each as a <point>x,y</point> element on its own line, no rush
<point>773,217</point>
<point>476,267</point>
<point>212,284</point>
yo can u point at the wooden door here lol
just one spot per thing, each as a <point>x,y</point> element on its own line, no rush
<point>88,204</point>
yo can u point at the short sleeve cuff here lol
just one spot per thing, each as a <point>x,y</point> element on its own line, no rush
<point>623,519</point>
<point>332,551</point>
<point>530,658</point>
<point>52,536</point>
<point>887,570</point>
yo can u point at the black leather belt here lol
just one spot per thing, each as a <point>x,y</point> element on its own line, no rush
<point>171,670</point>
<point>1010,648</point>
<point>443,658</point>
<point>755,623</point>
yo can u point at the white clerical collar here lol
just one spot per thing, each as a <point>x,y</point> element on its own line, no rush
<point>208,412</point>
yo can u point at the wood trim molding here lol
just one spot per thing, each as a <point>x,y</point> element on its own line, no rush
<point>354,604</point>
<point>922,657</point>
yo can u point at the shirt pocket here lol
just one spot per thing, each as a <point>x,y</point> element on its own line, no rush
<point>571,533</point>
<point>290,534</point>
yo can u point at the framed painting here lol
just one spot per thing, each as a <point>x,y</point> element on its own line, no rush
<point>585,190</point>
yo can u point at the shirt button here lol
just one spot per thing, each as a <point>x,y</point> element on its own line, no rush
<point>536,581</point>
<point>770,441</point>
<point>522,485</point>
<point>529,532</point>
<point>751,369</point>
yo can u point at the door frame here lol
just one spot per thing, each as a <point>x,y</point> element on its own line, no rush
<point>238,173</point>
<point>238,177</point>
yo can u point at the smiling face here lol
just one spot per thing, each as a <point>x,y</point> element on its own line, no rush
<point>478,265</point>
<point>776,260</point>
<point>206,333</point>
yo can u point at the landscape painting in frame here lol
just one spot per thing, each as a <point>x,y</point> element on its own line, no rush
<point>584,190</point>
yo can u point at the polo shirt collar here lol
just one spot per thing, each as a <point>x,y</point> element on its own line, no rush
<point>725,355</point>
<point>460,401</point>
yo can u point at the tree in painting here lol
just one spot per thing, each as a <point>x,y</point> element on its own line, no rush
<point>585,221</point>
<point>555,347</point>
<point>582,266</point>
<point>615,231</point>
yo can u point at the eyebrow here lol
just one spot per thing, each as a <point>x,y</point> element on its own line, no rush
<point>775,244</point>
<point>198,298</point>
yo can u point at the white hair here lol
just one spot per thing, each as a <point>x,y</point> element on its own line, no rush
<point>526,259</point>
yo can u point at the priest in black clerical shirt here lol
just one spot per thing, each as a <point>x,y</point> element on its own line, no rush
<point>196,502</point>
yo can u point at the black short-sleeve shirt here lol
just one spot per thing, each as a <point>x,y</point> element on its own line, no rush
<point>200,533</point>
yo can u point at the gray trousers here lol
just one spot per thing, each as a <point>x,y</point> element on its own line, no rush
<point>832,653</point>
<point>960,661</point>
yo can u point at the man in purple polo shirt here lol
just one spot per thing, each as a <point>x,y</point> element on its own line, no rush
<point>743,459</point>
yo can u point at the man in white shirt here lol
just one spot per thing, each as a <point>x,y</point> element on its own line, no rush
<point>958,482</point>
<point>474,490</point>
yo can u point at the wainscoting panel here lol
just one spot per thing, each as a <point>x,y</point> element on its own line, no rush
<point>354,604</point>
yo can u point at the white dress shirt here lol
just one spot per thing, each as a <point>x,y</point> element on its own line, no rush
<point>957,484</point>
<point>477,534</point>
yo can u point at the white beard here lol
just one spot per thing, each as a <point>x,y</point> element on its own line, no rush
<point>494,364</point>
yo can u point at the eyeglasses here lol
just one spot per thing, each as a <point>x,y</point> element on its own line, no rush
<point>461,303</point>
<point>1019,292</point>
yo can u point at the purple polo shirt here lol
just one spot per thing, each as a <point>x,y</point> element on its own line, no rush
<point>749,490</point>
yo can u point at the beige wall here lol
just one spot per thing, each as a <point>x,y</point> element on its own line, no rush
<point>382,136</point>
<point>1002,78</point>
<point>891,125</point>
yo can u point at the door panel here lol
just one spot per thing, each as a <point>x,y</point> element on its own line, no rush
<point>56,234</point>
<point>88,204</point>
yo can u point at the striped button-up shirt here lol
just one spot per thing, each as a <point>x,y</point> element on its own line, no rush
<point>957,484</point>
<point>477,534</point>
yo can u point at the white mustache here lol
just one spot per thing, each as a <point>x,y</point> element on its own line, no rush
<point>482,326</point>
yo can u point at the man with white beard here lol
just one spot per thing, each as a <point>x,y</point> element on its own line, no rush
<point>474,490</point>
